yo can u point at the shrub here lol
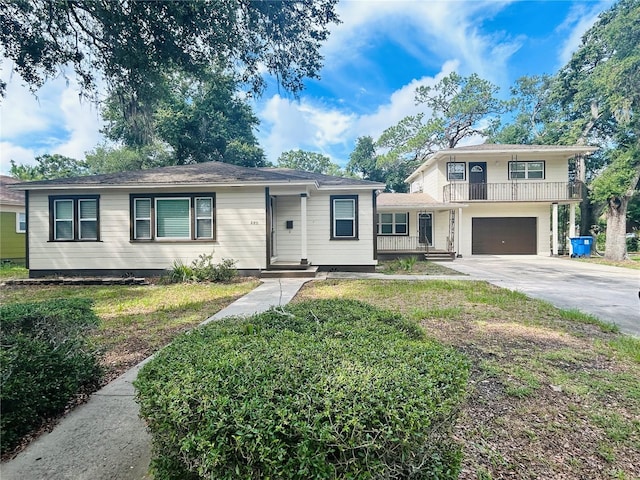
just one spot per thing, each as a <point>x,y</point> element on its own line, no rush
<point>44,362</point>
<point>203,269</point>
<point>320,389</point>
<point>408,263</point>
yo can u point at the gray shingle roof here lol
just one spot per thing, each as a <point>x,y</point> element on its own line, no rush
<point>10,196</point>
<point>203,173</point>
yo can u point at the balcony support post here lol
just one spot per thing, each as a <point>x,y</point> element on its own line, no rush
<point>572,225</point>
<point>554,229</point>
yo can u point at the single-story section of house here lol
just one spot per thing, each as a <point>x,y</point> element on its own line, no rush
<point>13,225</point>
<point>140,222</point>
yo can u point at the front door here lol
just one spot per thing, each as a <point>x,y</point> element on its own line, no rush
<point>477,180</point>
<point>425,228</point>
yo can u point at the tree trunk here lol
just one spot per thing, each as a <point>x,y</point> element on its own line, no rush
<point>616,245</point>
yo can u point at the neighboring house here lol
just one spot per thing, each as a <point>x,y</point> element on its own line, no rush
<point>13,223</point>
<point>139,223</point>
<point>484,199</point>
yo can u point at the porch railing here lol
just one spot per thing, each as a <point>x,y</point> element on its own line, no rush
<point>400,243</point>
<point>522,191</point>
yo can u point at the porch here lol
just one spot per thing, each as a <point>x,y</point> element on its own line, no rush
<point>515,191</point>
<point>392,247</point>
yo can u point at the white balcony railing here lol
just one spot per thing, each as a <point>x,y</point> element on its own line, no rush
<point>521,191</point>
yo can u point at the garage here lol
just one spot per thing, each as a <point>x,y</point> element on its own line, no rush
<point>504,236</point>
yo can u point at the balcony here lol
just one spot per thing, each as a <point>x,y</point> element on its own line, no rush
<point>521,191</point>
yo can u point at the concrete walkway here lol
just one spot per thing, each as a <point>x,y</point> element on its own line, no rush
<point>104,439</point>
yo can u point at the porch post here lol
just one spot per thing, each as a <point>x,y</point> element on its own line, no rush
<point>572,225</point>
<point>554,243</point>
<point>303,231</point>
<point>459,231</point>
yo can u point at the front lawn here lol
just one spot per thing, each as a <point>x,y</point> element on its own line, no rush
<point>553,394</point>
<point>138,320</point>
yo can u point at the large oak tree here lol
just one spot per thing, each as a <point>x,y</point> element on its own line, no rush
<point>600,93</point>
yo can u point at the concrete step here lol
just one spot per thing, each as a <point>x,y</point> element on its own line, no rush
<point>440,256</point>
<point>308,272</point>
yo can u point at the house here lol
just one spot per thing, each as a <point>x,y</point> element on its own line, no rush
<point>140,222</point>
<point>486,199</point>
<point>13,223</point>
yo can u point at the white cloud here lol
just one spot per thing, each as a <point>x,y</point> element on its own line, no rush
<point>308,125</point>
<point>9,151</point>
<point>401,103</point>
<point>54,120</point>
<point>580,19</point>
<point>428,29</point>
<point>290,124</point>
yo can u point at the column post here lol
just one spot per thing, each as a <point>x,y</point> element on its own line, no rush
<point>554,241</point>
<point>572,225</point>
<point>303,229</point>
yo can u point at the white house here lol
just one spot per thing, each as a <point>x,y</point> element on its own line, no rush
<point>485,199</point>
<point>140,222</point>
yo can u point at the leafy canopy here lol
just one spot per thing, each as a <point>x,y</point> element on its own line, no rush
<point>133,43</point>
<point>308,162</point>
<point>459,107</point>
<point>200,119</point>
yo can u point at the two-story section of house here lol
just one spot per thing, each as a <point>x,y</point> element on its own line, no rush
<point>486,199</point>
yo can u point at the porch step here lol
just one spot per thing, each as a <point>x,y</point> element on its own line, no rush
<point>307,272</point>
<point>440,256</point>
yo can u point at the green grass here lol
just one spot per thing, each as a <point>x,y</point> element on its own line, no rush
<point>412,266</point>
<point>554,393</point>
<point>9,272</point>
<point>138,320</point>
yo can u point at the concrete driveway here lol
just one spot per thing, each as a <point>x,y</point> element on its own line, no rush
<point>609,293</point>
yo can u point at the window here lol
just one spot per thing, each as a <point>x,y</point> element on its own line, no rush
<point>456,170</point>
<point>21,222</point>
<point>74,218</point>
<point>393,223</point>
<point>172,217</point>
<point>344,217</point>
<point>526,170</point>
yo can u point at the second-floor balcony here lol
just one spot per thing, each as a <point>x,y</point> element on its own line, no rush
<point>516,191</point>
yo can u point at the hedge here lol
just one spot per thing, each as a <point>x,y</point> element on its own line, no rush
<point>322,389</point>
<point>44,362</point>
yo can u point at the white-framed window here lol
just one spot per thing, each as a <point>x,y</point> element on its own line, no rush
<point>533,170</point>
<point>87,219</point>
<point>173,217</point>
<point>393,223</point>
<point>74,218</point>
<point>456,171</point>
<point>204,217</point>
<point>344,217</point>
<point>142,218</point>
<point>21,222</point>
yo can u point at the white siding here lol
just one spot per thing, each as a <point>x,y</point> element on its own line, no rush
<point>240,235</point>
<point>324,251</point>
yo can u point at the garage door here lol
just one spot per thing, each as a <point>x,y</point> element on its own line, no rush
<point>504,236</point>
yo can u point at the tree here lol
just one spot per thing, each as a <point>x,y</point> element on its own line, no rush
<point>308,162</point>
<point>363,162</point>
<point>105,159</point>
<point>130,44</point>
<point>202,120</point>
<point>48,167</point>
<point>600,91</point>
<point>460,107</point>
<point>538,119</point>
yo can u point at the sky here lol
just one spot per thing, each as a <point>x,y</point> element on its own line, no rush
<point>373,62</point>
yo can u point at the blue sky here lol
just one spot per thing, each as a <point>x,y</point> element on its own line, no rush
<point>374,60</point>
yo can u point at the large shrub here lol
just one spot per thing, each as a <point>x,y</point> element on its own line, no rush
<point>44,362</point>
<point>322,389</point>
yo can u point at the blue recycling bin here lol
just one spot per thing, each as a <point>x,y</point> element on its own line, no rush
<point>581,246</point>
